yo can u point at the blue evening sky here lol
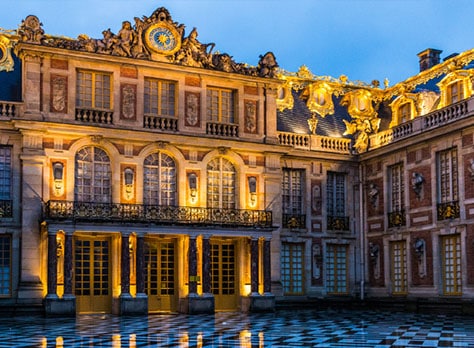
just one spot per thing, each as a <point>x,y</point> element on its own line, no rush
<point>363,39</point>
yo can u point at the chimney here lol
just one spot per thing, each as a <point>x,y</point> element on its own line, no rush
<point>429,58</point>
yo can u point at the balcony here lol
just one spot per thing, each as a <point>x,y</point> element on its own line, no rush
<point>165,124</point>
<point>448,210</point>
<point>9,109</point>
<point>222,129</point>
<point>6,210</point>
<point>396,218</point>
<point>93,116</point>
<point>315,142</point>
<point>155,214</point>
<point>338,223</point>
<point>420,124</point>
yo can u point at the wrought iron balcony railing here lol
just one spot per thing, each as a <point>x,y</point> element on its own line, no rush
<point>156,214</point>
<point>396,218</point>
<point>6,208</point>
<point>338,223</point>
<point>294,221</point>
<point>448,210</point>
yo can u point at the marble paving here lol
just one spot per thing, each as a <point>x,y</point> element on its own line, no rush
<point>298,328</point>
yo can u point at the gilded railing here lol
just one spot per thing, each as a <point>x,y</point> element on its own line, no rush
<point>294,221</point>
<point>94,116</point>
<point>338,223</point>
<point>156,214</point>
<point>396,218</point>
<point>6,208</point>
<point>9,109</point>
<point>448,210</point>
<point>161,123</point>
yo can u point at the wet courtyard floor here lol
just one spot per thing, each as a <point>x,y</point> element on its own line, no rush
<point>284,328</point>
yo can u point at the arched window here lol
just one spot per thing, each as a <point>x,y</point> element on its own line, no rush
<point>159,180</point>
<point>93,176</point>
<point>221,184</point>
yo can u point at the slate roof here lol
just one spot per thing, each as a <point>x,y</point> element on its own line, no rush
<point>10,83</point>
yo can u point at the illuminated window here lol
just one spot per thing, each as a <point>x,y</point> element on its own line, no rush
<point>159,180</point>
<point>399,267</point>
<point>93,176</point>
<point>220,184</point>
<point>451,267</point>
<point>455,91</point>
<point>93,90</point>
<point>160,98</point>
<point>292,268</point>
<point>5,265</point>
<point>404,112</point>
<point>220,105</point>
<point>336,269</point>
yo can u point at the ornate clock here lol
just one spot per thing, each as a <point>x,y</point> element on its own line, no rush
<point>163,38</point>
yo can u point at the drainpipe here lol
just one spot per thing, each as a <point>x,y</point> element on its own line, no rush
<point>362,233</point>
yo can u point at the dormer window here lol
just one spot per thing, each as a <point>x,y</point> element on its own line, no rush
<point>404,112</point>
<point>455,91</point>
<point>455,87</point>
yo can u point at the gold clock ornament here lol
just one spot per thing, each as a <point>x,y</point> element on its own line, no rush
<point>163,38</point>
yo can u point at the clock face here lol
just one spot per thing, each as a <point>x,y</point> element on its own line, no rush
<point>163,39</point>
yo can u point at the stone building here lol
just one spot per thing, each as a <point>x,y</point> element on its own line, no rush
<point>142,172</point>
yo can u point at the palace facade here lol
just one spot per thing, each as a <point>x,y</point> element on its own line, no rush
<point>144,172</point>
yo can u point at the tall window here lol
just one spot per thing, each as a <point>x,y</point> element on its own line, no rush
<point>396,195</point>
<point>93,90</point>
<point>5,265</point>
<point>455,91</point>
<point>220,105</point>
<point>399,267</point>
<point>336,269</point>
<point>93,176</point>
<point>336,194</point>
<point>397,187</point>
<point>159,180</point>
<point>292,198</point>
<point>447,175</point>
<point>221,184</point>
<point>160,97</point>
<point>451,267</point>
<point>5,173</point>
<point>292,270</point>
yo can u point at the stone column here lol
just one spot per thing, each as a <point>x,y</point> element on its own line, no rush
<point>31,287</point>
<point>125,266</point>
<point>271,137</point>
<point>206,265</point>
<point>32,86</point>
<point>140,265</point>
<point>254,266</point>
<point>192,265</point>
<point>53,305</point>
<point>267,275</point>
<point>52,265</point>
<point>68,265</point>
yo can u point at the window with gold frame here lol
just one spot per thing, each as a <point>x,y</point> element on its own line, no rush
<point>455,91</point>
<point>399,267</point>
<point>94,90</point>
<point>160,97</point>
<point>451,265</point>
<point>220,105</point>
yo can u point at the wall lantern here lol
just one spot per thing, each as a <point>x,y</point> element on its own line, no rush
<point>192,182</point>
<point>252,182</point>
<point>58,178</point>
<point>128,177</point>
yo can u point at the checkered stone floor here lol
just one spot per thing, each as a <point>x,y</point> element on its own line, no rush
<point>299,328</point>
